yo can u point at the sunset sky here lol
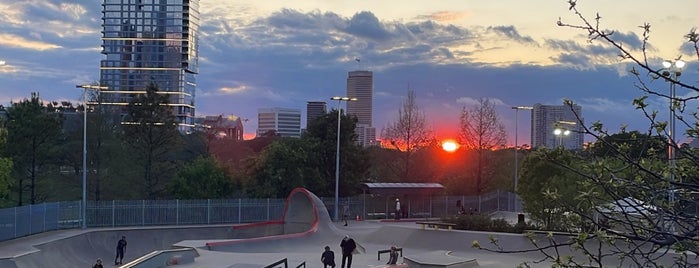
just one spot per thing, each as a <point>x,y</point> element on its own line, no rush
<point>263,53</point>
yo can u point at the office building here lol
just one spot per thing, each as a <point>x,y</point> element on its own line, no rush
<point>151,41</point>
<point>547,118</point>
<point>315,109</point>
<point>360,85</point>
<point>285,122</point>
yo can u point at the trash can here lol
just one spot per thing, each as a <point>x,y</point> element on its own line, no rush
<point>520,218</point>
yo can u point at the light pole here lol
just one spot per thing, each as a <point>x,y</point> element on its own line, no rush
<point>84,201</point>
<point>517,108</point>
<point>672,71</point>
<point>337,155</point>
<point>560,133</point>
<point>563,131</point>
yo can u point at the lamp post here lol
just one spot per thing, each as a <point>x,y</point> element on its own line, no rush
<point>672,71</point>
<point>517,108</point>
<point>560,133</point>
<point>337,154</point>
<point>563,131</point>
<point>84,201</point>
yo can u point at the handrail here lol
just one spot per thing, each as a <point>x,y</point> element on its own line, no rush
<point>302,264</point>
<point>286,265</point>
<point>145,258</point>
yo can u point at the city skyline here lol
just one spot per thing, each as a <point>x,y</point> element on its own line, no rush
<point>256,54</point>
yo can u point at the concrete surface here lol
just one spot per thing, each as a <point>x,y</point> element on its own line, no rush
<point>300,237</point>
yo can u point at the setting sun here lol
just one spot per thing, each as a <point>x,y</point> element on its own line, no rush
<point>449,145</point>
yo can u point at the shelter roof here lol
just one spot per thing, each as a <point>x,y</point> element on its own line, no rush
<point>402,188</point>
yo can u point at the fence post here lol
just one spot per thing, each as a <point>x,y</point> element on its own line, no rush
<point>143,212</point>
<point>240,209</point>
<point>113,213</point>
<point>498,199</point>
<point>43,216</point>
<point>208,211</point>
<point>16,221</point>
<point>177,212</point>
<point>480,209</point>
<point>267,209</point>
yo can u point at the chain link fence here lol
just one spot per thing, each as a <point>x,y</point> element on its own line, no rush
<point>32,219</point>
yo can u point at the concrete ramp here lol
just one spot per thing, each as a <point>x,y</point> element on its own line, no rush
<point>305,220</point>
<point>82,247</point>
<point>439,259</point>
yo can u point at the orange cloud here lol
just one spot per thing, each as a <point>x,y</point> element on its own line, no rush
<point>21,42</point>
<point>444,16</point>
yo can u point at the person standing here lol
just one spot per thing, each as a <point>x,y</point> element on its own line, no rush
<point>121,247</point>
<point>345,213</point>
<point>348,245</point>
<point>393,255</point>
<point>328,258</point>
<point>398,209</point>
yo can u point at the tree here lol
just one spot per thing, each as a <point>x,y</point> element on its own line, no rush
<point>545,186</point>
<point>150,131</point>
<point>203,178</point>
<point>31,135</point>
<point>286,164</point>
<point>643,210</point>
<point>408,134</point>
<point>481,131</point>
<point>5,180</point>
<point>354,163</point>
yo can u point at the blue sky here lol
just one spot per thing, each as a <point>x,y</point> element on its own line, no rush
<point>262,53</point>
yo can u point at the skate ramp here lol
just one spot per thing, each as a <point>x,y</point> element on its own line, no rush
<point>80,248</point>
<point>305,220</point>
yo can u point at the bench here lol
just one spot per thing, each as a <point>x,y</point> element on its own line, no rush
<point>378,255</point>
<point>436,225</point>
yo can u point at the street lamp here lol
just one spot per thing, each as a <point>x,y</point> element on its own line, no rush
<point>84,201</point>
<point>517,108</point>
<point>337,154</point>
<point>672,71</point>
<point>562,131</point>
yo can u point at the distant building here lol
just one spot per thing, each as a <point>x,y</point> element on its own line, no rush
<point>315,109</point>
<point>360,85</point>
<point>220,127</point>
<point>285,122</point>
<point>547,118</point>
<point>150,41</point>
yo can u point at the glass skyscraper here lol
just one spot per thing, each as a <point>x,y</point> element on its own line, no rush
<point>148,41</point>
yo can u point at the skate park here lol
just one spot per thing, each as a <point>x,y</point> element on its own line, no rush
<point>297,240</point>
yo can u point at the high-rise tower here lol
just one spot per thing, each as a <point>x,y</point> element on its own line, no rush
<point>315,109</point>
<point>546,118</point>
<point>148,41</point>
<point>360,85</point>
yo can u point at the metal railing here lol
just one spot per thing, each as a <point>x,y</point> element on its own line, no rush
<point>32,219</point>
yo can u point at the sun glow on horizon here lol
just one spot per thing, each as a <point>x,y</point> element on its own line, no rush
<point>450,146</point>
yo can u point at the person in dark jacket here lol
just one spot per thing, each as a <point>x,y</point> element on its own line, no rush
<point>98,264</point>
<point>328,258</point>
<point>121,247</point>
<point>393,256</point>
<point>348,245</point>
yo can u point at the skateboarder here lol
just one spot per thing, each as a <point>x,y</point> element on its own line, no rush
<point>121,246</point>
<point>328,258</point>
<point>348,247</point>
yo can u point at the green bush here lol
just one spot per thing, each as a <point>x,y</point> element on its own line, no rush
<point>481,222</point>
